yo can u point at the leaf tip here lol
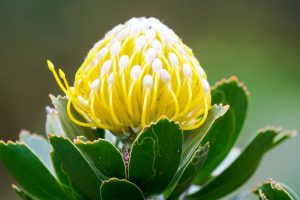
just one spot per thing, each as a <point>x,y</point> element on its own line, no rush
<point>14,187</point>
<point>52,97</point>
<point>2,143</point>
<point>235,80</point>
<point>50,135</point>
<point>293,133</point>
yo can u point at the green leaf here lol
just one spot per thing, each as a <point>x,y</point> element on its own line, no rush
<point>155,156</point>
<point>243,167</point>
<point>70,128</point>
<point>193,142</point>
<point>120,189</point>
<point>274,190</point>
<point>189,172</point>
<point>53,124</point>
<point>76,166</point>
<point>38,145</point>
<point>105,156</point>
<point>30,173</point>
<point>230,158</point>
<point>66,183</point>
<point>291,192</point>
<point>224,133</point>
<point>194,137</point>
<point>21,193</point>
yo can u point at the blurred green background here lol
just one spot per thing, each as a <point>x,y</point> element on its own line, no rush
<point>258,41</point>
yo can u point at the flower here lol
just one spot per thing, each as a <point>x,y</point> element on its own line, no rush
<point>139,72</point>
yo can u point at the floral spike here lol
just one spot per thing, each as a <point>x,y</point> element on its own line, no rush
<point>139,71</point>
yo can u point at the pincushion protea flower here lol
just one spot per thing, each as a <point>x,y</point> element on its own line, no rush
<point>140,78</point>
<point>138,72</point>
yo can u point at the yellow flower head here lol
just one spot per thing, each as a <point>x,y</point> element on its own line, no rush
<point>139,72</point>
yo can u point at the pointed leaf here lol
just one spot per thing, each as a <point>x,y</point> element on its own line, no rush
<point>195,137</point>
<point>224,133</point>
<point>230,158</point>
<point>29,171</point>
<point>120,189</point>
<point>189,172</point>
<point>155,156</point>
<point>243,167</point>
<point>274,190</point>
<point>38,145</point>
<point>76,166</point>
<point>70,128</point>
<point>53,124</point>
<point>67,184</point>
<point>21,193</point>
<point>193,141</point>
<point>105,156</point>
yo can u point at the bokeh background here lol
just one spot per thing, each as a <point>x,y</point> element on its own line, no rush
<point>258,41</point>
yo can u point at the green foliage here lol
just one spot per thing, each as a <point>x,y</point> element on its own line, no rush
<point>68,186</point>
<point>163,160</point>
<point>21,193</point>
<point>225,131</point>
<point>243,167</point>
<point>77,167</point>
<point>39,146</point>
<point>155,156</point>
<point>192,143</point>
<point>274,190</point>
<point>120,189</point>
<point>189,172</point>
<point>105,157</point>
<point>30,173</point>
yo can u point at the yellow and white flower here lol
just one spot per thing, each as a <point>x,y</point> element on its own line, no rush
<point>139,72</point>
